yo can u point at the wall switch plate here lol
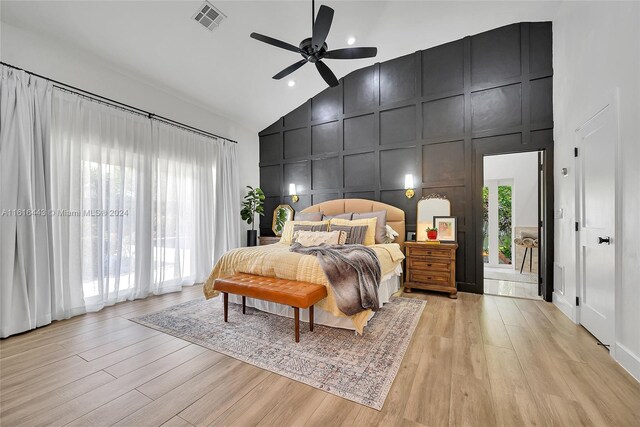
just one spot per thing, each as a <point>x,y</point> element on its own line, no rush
<point>558,213</point>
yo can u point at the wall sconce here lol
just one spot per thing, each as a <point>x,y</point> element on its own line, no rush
<point>408,185</point>
<point>292,193</point>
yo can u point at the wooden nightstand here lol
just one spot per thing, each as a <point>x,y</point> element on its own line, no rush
<point>431,267</point>
<point>268,240</point>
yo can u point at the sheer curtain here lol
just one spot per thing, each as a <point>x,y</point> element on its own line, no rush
<point>119,206</point>
<point>28,298</point>
<point>152,197</point>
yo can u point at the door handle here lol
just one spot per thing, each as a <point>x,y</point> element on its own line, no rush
<point>606,240</point>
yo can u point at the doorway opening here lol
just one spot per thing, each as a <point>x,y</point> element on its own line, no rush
<point>512,208</point>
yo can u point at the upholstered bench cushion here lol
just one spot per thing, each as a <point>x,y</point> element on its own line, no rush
<point>282,291</point>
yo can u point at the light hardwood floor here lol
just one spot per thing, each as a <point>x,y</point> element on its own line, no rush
<point>478,360</point>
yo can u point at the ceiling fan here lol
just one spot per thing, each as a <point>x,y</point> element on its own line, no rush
<point>314,48</point>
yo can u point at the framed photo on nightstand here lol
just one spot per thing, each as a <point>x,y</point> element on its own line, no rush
<point>447,228</point>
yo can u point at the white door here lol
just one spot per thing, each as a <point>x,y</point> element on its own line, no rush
<point>596,161</point>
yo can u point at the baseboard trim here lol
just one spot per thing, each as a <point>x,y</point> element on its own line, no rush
<point>564,306</point>
<point>629,361</point>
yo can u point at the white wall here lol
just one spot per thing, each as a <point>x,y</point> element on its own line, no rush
<point>522,168</point>
<point>82,69</point>
<point>596,49</point>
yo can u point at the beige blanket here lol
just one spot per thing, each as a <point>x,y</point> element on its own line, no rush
<point>276,261</point>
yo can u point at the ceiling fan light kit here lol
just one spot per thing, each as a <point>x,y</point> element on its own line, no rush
<point>314,49</point>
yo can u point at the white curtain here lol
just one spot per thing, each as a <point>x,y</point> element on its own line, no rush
<point>29,296</point>
<point>129,206</point>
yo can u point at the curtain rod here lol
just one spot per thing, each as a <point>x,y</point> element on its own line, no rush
<point>150,115</point>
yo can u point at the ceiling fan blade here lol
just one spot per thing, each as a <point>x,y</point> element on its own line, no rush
<point>290,69</point>
<point>322,26</point>
<point>275,42</point>
<point>352,53</point>
<point>327,74</point>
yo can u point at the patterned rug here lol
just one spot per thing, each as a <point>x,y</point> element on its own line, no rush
<point>358,368</point>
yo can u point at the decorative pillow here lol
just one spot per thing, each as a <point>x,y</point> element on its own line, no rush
<point>308,216</point>
<point>319,238</point>
<point>355,234</point>
<point>370,236</point>
<point>287,231</point>
<point>301,227</point>
<point>381,231</point>
<point>391,234</point>
<point>346,215</point>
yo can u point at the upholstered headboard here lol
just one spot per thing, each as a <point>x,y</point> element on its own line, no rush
<point>395,216</point>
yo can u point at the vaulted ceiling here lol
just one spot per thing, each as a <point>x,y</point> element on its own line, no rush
<point>224,69</point>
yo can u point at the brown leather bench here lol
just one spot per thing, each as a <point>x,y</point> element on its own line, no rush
<point>282,291</point>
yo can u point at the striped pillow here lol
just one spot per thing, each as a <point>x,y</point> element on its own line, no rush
<point>355,233</point>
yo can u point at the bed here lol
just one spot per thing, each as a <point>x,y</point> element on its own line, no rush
<point>277,261</point>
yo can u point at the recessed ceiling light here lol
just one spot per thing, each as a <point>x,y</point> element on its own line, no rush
<point>351,40</point>
<point>291,83</point>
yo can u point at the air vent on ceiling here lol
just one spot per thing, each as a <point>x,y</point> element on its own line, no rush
<point>208,16</point>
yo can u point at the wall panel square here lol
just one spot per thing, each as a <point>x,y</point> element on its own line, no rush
<point>324,173</point>
<point>359,170</point>
<point>496,108</point>
<point>325,138</point>
<point>495,55</point>
<point>271,148</point>
<point>360,132</point>
<point>270,180</point>
<point>540,47</point>
<point>360,90</point>
<point>397,79</point>
<point>298,117</point>
<point>541,101</point>
<point>395,164</point>
<point>327,105</point>
<point>443,68</point>
<point>297,173</point>
<point>443,117</point>
<point>443,164</point>
<point>398,125</point>
<point>297,143</point>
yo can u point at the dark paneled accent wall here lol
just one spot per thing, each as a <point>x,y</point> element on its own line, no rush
<point>433,114</point>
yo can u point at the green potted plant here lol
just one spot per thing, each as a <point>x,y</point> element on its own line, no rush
<point>253,204</point>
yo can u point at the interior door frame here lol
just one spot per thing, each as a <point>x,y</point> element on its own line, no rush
<point>613,103</point>
<point>546,252</point>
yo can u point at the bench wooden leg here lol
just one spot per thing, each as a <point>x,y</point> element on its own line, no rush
<point>311,318</point>
<point>244,305</point>
<point>296,319</point>
<point>226,305</point>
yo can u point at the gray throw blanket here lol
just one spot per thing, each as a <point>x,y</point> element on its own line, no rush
<point>353,272</point>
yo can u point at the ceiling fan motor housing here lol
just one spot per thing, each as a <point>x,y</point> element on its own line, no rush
<point>311,54</point>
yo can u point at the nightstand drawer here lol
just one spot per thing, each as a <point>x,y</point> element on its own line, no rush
<point>430,277</point>
<point>429,264</point>
<point>431,252</point>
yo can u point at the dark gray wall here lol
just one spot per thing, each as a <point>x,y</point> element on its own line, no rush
<point>433,113</point>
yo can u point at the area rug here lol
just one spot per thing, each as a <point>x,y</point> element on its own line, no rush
<point>359,368</point>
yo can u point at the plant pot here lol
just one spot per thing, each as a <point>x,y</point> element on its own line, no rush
<point>252,237</point>
<point>432,234</point>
